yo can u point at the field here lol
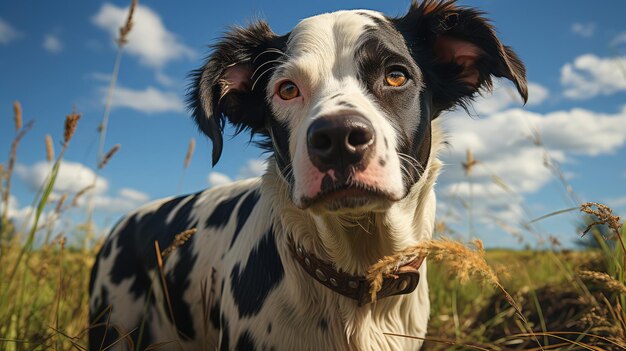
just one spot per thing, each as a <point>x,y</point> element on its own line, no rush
<point>554,299</point>
<point>44,304</point>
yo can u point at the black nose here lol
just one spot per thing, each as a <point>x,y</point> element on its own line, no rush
<point>340,142</point>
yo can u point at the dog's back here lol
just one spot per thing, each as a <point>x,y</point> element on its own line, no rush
<point>127,300</point>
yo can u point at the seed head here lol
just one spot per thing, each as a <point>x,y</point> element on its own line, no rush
<point>49,148</point>
<point>17,109</point>
<point>192,147</point>
<point>70,126</point>
<point>108,156</point>
<point>128,26</point>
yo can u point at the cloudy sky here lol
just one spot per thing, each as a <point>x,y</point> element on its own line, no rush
<point>565,145</point>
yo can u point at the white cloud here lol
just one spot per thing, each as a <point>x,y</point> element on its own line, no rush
<point>149,100</point>
<point>101,77</point>
<point>510,166</point>
<point>126,200</point>
<point>52,44</point>
<point>149,40</point>
<point>72,177</point>
<point>616,202</point>
<point>619,39</point>
<point>217,178</point>
<point>7,33</point>
<point>585,30</point>
<point>164,79</point>
<point>19,216</point>
<point>505,95</point>
<point>537,94</point>
<point>590,75</point>
<point>252,168</point>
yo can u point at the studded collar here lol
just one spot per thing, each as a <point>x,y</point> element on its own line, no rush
<point>403,281</point>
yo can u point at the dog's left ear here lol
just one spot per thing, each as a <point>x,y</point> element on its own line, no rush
<point>231,84</point>
<point>458,51</point>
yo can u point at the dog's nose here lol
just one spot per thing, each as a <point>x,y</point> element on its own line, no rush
<point>340,142</point>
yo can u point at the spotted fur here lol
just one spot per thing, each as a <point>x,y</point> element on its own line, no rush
<point>234,285</point>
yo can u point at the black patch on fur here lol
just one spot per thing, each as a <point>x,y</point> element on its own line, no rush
<point>106,249</point>
<point>225,334</point>
<point>428,21</point>
<point>127,263</point>
<point>245,342</point>
<point>136,255</point>
<point>146,336</point>
<point>99,336</point>
<point>245,209</point>
<point>254,47</point>
<point>94,273</point>
<point>222,213</point>
<point>382,162</point>
<point>402,105</point>
<point>269,328</point>
<point>214,315</point>
<point>335,96</point>
<point>263,272</point>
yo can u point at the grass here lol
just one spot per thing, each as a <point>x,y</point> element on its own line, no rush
<point>484,300</point>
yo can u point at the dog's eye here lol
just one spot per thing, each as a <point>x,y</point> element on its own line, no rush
<point>395,78</point>
<point>288,90</point>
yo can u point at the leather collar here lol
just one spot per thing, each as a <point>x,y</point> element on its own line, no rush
<point>403,281</point>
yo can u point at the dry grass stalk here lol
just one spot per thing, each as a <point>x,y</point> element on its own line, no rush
<point>9,171</point>
<point>60,203</point>
<point>469,163</point>
<point>128,26</point>
<point>108,156</point>
<point>70,126</point>
<point>81,193</point>
<point>603,279</point>
<point>179,240</point>
<point>604,215</point>
<point>192,147</point>
<point>49,148</point>
<point>461,260</point>
<point>17,109</point>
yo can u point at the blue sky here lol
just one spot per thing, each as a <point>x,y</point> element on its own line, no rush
<point>55,57</point>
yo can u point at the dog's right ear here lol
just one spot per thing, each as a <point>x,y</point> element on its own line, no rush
<point>231,86</point>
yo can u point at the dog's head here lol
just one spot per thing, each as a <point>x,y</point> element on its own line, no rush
<point>346,99</point>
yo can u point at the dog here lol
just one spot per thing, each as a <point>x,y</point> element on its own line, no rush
<point>346,105</point>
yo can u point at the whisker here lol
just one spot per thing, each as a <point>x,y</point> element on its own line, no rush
<point>263,64</point>
<point>261,75</point>
<point>268,51</point>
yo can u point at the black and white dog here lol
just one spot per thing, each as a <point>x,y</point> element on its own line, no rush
<point>347,103</point>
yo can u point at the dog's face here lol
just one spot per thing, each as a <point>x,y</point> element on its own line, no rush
<point>346,99</point>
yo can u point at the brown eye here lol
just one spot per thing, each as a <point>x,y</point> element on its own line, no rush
<point>395,78</point>
<point>288,90</point>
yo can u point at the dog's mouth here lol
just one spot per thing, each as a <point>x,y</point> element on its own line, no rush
<point>349,197</point>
